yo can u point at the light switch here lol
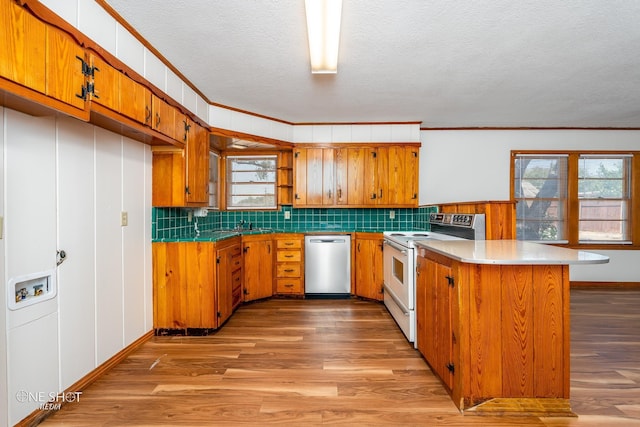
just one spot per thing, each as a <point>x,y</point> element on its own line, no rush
<point>287,214</point>
<point>392,214</point>
<point>124,218</point>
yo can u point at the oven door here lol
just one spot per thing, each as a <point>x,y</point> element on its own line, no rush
<point>399,273</point>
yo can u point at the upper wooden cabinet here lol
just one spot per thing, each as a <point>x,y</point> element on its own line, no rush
<point>361,176</point>
<point>117,92</point>
<point>22,47</point>
<point>181,177</point>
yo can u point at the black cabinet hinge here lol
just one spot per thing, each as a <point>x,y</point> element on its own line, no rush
<point>451,367</point>
<point>450,281</point>
<point>219,314</point>
<point>296,154</point>
<point>186,190</point>
<point>374,154</point>
<point>218,260</point>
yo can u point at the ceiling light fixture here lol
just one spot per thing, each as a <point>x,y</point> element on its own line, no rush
<point>323,28</point>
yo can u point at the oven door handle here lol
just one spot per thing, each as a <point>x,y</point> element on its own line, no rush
<point>393,296</point>
<point>402,250</point>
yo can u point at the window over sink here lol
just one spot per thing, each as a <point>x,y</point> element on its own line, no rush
<point>251,182</point>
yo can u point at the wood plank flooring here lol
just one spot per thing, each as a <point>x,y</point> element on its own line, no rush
<point>318,362</point>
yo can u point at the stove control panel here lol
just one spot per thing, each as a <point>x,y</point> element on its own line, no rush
<point>460,220</point>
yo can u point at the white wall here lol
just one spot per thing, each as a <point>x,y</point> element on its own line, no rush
<point>4,399</point>
<point>104,300</point>
<point>471,165</point>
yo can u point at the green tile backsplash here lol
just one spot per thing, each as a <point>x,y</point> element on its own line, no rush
<point>175,222</point>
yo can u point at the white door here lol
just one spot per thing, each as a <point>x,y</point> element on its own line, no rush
<point>30,248</point>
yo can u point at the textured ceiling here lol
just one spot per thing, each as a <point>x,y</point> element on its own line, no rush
<point>482,63</point>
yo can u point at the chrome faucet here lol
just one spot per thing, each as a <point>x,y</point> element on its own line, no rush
<point>195,226</point>
<point>240,225</point>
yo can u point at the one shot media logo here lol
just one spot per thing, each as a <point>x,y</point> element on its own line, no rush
<point>50,400</point>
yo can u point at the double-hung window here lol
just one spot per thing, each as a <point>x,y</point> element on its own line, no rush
<point>577,198</point>
<point>251,182</point>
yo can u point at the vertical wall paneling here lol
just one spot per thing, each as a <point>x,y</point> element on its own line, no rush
<point>133,239</point>
<point>30,244</point>
<point>109,298</point>
<point>76,236</point>
<point>148,285</point>
<point>4,408</point>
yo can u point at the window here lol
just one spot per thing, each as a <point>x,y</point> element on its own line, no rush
<point>576,198</point>
<point>251,182</point>
<point>213,179</point>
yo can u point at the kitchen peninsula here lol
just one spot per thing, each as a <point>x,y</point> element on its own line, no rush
<point>493,322</point>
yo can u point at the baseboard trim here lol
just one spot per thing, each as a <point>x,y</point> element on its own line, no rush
<point>605,285</point>
<point>37,416</point>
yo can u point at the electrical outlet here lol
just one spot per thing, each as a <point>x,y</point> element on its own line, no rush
<point>392,214</point>
<point>189,215</point>
<point>124,218</point>
<point>287,214</point>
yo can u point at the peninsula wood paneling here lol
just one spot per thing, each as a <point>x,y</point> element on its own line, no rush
<point>500,216</point>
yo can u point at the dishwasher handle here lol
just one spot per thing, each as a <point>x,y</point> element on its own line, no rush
<point>327,240</point>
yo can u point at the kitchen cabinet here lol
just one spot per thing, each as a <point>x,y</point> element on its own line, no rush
<point>114,90</point>
<point>163,118</point>
<point>368,265</point>
<point>285,178</point>
<point>229,273</point>
<point>65,80</point>
<point>259,256</point>
<point>436,325</point>
<point>356,176</point>
<point>196,285</point>
<point>181,176</point>
<point>494,331</point>
<point>290,264</point>
<point>392,176</point>
<point>22,47</point>
<point>197,157</point>
<point>314,183</point>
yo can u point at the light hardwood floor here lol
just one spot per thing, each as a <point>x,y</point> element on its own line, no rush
<point>317,362</point>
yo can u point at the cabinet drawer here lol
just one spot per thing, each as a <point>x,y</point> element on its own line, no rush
<point>289,256</point>
<point>289,244</point>
<point>236,261</point>
<point>236,280</point>
<point>288,270</point>
<point>289,286</point>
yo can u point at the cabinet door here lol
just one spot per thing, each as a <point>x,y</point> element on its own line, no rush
<point>106,84</point>
<point>258,269</point>
<point>371,177</point>
<point>356,165</point>
<point>163,117</point>
<point>22,47</point>
<point>200,285</point>
<point>64,75</point>
<point>135,100</point>
<point>328,177</point>
<point>168,176</point>
<point>169,286</point>
<point>229,260</point>
<point>411,176</point>
<point>426,309</point>
<point>315,175</point>
<point>197,164</point>
<point>369,275</point>
<point>300,173</point>
<point>444,332</point>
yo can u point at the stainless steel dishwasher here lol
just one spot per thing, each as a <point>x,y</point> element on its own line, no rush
<point>327,266</point>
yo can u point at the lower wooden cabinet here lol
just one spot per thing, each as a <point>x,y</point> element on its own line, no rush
<point>259,256</point>
<point>368,265</point>
<point>494,331</point>
<point>196,285</point>
<point>290,264</point>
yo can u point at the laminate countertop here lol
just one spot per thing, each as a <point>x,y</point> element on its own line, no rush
<point>509,252</point>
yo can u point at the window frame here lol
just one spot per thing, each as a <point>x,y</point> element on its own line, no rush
<point>572,220</point>
<point>229,183</point>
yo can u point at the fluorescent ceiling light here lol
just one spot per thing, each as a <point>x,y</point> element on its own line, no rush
<point>323,27</point>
